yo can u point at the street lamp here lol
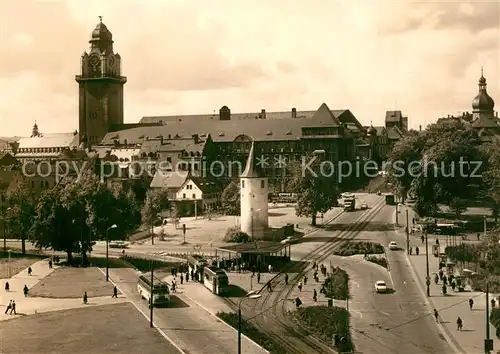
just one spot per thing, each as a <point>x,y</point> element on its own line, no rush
<point>10,273</point>
<point>107,255</point>
<point>250,295</point>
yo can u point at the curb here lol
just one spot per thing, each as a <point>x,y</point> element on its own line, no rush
<point>225,323</point>
<point>452,342</point>
<point>147,317</point>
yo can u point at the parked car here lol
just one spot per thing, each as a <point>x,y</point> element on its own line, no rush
<point>290,240</point>
<point>364,206</point>
<point>393,246</point>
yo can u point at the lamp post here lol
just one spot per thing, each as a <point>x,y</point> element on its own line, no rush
<point>428,277</point>
<point>250,295</point>
<point>10,273</point>
<point>407,232</point>
<point>107,246</point>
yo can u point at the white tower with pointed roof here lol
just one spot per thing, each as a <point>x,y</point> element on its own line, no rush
<point>254,199</point>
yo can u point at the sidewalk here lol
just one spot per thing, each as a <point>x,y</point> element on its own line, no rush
<point>471,339</point>
<point>201,296</point>
<point>32,305</point>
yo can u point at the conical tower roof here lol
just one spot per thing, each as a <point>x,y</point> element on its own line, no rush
<point>250,169</point>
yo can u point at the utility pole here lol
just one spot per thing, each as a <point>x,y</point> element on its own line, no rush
<point>151,305</point>
<point>152,230</point>
<point>428,277</point>
<point>488,343</point>
<point>407,233</point>
<point>397,214</point>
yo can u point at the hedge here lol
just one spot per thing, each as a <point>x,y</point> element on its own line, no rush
<point>336,285</point>
<point>363,247</point>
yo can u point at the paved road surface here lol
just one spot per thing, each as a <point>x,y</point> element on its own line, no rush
<point>192,328</point>
<point>400,322</point>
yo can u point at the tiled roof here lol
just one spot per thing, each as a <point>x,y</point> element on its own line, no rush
<point>182,145</point>
<point>164,179</point>
<point>204,185</point>
<point>227,130</point>
<point>50,141</point>
<point>393,116</point>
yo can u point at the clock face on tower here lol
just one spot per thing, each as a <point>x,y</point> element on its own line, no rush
<point>94,62</point>
<point>111,60</point>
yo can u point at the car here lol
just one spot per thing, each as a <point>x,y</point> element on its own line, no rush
<point>290,240</point>
<point>364,206</point>
<point>118,244</point>
<point>393,245</point>
<point>380,286</point>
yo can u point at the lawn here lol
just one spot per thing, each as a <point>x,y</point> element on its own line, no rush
<point>16,265</point>
<point>106,329</point>
<point>55,285</point>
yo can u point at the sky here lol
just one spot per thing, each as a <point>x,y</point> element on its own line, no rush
<point>192,57</point>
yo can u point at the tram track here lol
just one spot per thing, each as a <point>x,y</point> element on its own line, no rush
<point>272,316</point>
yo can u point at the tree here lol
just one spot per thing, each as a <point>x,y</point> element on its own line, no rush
<point>20,211</point>
<point>156,201</point>
<point>458,206</point>
<point>316,191</point>
<point>230,199</point>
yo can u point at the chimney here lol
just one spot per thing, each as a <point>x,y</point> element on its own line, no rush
<point>294,112</point>
<point>420,128</point>
<point>196,138</point>
<point>263,114</point>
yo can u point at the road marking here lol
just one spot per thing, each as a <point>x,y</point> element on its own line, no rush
<point>385,313</point>
<point>357,313</point>
<point>355,283</point>
<point>147,317</point>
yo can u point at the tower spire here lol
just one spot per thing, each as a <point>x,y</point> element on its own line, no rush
<point>100,19</point>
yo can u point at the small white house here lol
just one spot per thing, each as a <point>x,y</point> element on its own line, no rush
<point>199,191</point>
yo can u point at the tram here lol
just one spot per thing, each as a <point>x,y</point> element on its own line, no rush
<point>196,263</point>
<point>215,279</point>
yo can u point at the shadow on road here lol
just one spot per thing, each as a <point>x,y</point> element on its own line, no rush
<point>235,291</point>
<point>271,214</point>
<point>176,302</point>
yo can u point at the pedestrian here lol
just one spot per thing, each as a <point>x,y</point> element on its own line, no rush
<point>50,263</point>
<point>453,285</point>
<point>314,265</point>
<point>493,303</point>
<point>444,289</point>
<point>300,286</point>
<point>417,250</point>
<point>441,274</point>
<point>85,298</point>
<point>478,236</point>
<point>269,288</point>
<point>182,279</point>
<point>422,238</point>
<point>13,308</point>
<point>115,292</point>
<point>471,304</point>
<point>460,324</point>
<point>258,278</point>
<point>192,274</point>
<point>436,315</point>
<point>9,306</point>
<point>445,280</point>
<point>25,290</point>
<point>172,271</point>
<point>173,286</point>
<point>7,286</point>
<point>305,280</point>
<point>411,251</point>
<point>29,271</point>
<point>315,295</point>
<point>270,268</point>
<point>298,302</point>
<point>436,279</point>
<point>286,278</point>
<point>187,277</point>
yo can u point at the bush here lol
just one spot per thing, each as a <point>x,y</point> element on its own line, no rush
<point>478,282</point>
<point>495,317</point>
<point>352,248</point>
<point>235,235</point>
<point>264,340</point>
<point>336,285</point>
<point>381,261</point>
<point>327,322</point>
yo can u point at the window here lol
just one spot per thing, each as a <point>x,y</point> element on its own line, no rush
<point>194,196</point>
<point>184,196</point>
<point>242,184</point>
<point>262,184</point>
<point>169,159</point>
<point>32,184</point>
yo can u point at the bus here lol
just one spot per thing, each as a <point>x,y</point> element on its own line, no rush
<point>349,202</point>
<point>161,291</point>
<point>215,279</point>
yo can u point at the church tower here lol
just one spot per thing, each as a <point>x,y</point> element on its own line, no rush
<point>482,105</point>
<point>254,199</point>
<point>100,87</point>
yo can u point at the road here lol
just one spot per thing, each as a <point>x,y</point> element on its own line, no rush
<point>399,322</point>
<point>189,326</point>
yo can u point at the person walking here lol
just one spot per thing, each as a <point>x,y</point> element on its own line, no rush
<point>258,278</point>
<point>305,280</point>
<point>286,278</point>
<point>315,295</point>
<point>182,279</point>
<point>471,304</point>
<point>460,324</point>
<point>50,263</point>
<point>7,286</point>
<point>29,271</point>
<point>85,298</point>
<point>436,315</point>
<point>115,292</point>
<point>269,288</point>
<point>9,306</point>
<point>417,250</point>
<point>13,308</point>
<point>300,286</point>
<point>25,290</point>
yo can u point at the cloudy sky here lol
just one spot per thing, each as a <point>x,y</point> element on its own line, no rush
<point>189,57</point>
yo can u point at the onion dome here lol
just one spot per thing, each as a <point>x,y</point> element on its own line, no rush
<point>483,102</point>
<point>101,32</point>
